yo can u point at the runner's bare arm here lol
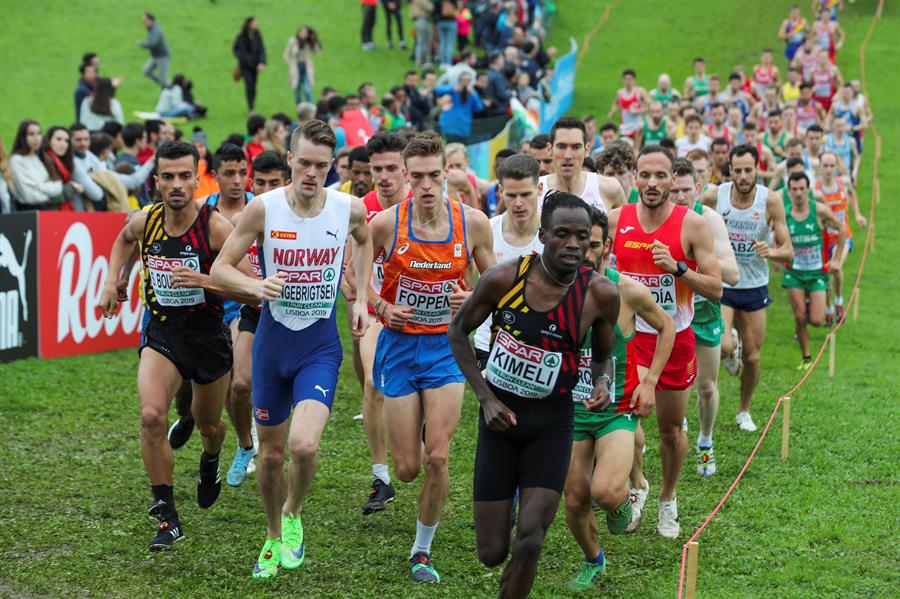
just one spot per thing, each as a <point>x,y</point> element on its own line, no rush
<point>381,230</point>
<point>611,191</point>
<point>707,279</point>
<point>827,218</point>
<point>481,239</point>
<point>362,266</point>
<point>488,292</point>
<point>640,300</point>
<point>122,250</point>
<point>710,197</point>
<point>225,272</point>
<point>731,274</point>
<point>854,204</point>
<point>603,312</point>
<point>784,249</point>
<point>612,217</point>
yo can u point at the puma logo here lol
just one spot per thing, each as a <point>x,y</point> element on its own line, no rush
<point>324,391</point>
<point>334,234</point>
<point>624,230</point>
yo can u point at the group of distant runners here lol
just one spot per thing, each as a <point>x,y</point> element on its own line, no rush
<point>598,297</point>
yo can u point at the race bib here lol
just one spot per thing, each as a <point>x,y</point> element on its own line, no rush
<point>841,215</point>
<point>807,258</point>
<point>522,370</point>
<point>308,293</point>
<point>430,300</point>
<point>662,287</point>
<point>585,384</point>
<point>253,257</point>
<point>160,270</point>
<point>378,273</point>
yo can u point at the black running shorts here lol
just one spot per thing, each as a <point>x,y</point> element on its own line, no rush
<point>199,355</point>
<point>249,320</point>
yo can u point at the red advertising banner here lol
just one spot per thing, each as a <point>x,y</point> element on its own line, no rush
<point>73,263</point>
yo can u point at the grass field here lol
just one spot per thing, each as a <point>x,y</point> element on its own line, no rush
<point>824,524</point>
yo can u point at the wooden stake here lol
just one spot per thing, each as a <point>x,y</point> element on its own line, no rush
<point>856,305</point>
<point>832,355</point>
<point>785,427</point>
<point>691,585</point>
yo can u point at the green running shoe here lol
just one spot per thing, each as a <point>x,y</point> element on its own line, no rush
<point>619,519</point>
<point>292,548</point>
<point>267,562</point>
<point>422,569</point>
<point>589,575</point>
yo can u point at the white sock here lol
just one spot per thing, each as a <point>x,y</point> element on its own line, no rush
<point>839,300</point>
<point>380,471</point>
<point>704,441</point>
<point>424,535</point>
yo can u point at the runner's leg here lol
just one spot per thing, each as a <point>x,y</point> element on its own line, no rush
<point>613,453</point>
<point>708,359</point>
<point>579,517</point>
<point>157,381</point>
<point>270,473</point>
<point>404,418</point>
<point>240,404</point>
<point>373,400</point>
<point>751,327</point>
<point>797,298</point>
<point>728,341</point>
<point>441,407</point>
<point>207,409</point>
<point>537,508</point>
<point>671,407</point>
<point>636,477</point>
<point>307,424</point>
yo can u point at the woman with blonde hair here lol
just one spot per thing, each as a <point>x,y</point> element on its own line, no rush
<point>275,136</point>
<point>299,58</point>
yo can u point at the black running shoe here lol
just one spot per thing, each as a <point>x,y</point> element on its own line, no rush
<point>209,485</point>
<point>167,534</point>
<point>422,570</point>
<point>381,495</point>
<point>180,431</point>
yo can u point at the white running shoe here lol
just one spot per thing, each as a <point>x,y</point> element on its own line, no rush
<point>745,422</point>
<point>638,498</point>
<point>733,362</point>
<point>667,525</point>
<point>684,425</point>
<point>358,416</point>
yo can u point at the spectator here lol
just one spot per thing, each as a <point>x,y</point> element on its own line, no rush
<point>393,12</point>
<point>101,107</point>
<point>463,27</point>
<point>256,131</point>
<point>488,32</point>
<point>369,14</point>
<point>393,116</point>
<point>342,166</point>
<point>499,90</point>
<point>85,164</point>
<point>404,107</point>
<point>85,86</point>
<point>157,66</point>
<point>306,111</point>
<point>368,101</point>
<point>461,183</point>
<point>93,153</point>
<point>275,136</point>
<point>34,189</point>
<point>114,130</point>
<point>445,14</point>
<point>134,138</point>
<point>456,118</point>
<point>299,57</point>
<point>6,202</point>
<point>208,184</point>
<point>250,51</point>
<point>176,100</point>
<point>158,132</point>
<point>466,64</point>
<point>524,90</point>
<point>421,13</point>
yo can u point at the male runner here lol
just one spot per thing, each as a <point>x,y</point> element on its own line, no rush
<point>674,259</point>
<point>806,276</point>
<point>839,195</point>
<point>428,244</point>
<point>541,150</point>
<point>603,447</point>
<point>631,103</point>
<point>300,231</point>
<point>749,211</point>
<point>541,307</point>
<point>617,161</point>
<point>569,137</point>
<point>654,124</point>
<point>707,322</point>
<point>385,151</point>
<point>186,338</point>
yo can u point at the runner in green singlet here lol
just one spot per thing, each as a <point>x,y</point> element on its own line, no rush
<point>603,446</point>
<point>697,85</point>
<point>654,125</point>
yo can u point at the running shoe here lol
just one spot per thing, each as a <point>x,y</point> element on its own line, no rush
<point>745,422</point>
<point>381,494</point>
<point>618,520</point>
<point>168,532</point>
<point>733,362</point>
<point>706,461</point>
<point>422,569</point>
<point>180,432</point>
<point>240,466</point>
<point>806,364</point>
<point>838,312</point>
<point>293,550</point>
<point>667,525</point>
<point>638,498</point>
<point>267,562</point>
<point>589,575</point>
<point>209,484</point>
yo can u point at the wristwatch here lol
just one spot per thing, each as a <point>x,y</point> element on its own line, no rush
<point>682,268</point>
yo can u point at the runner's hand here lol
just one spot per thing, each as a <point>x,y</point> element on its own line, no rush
<point>662,257</point>
<point>861,221</point>
<point>600,398</point>
<point>109,301</point>
<point>644,397</point>
<point>348,290</point>
<point>359,320</point>
<point>396,316</point>
<point>458,296</point>
<point>497,416</point>
<point>761,247</point>
<point>186,278</point>
<point>122,290</point>
<point>270,287</point>
<point>834,264</point>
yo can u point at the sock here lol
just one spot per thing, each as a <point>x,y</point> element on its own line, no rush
<point>597,560</point>
<point>380,471</point>
<point>209,462</point>
<point>164,493</point>
<point>829,310</point>
<point>424,535</point>
<point>704,441</point>
<point>839,300</point>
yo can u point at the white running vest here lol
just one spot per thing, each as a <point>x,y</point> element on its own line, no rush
<point>502,252</point>
<point>590,194</point>
<point>310,251</point>
<point>745,225</point>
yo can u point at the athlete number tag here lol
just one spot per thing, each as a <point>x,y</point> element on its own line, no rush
<point>807,258</point>
<point>662,287</point>
<point>521,369</point>
<point>430,300</point>
<point>584,387</point>
<point>160,270</point>
<point>307,293</point>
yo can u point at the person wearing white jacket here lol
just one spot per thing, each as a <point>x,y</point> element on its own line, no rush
<point>31,181</point>
<point>298,54</point>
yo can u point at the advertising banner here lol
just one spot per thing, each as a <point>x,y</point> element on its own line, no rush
<point>563,89</point>
<point>18,286</point>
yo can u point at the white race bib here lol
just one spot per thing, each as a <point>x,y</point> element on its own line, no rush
<point>521,369</point>
<point>308,293</point>
<point>807,258</point>
<point>430,300</point>
<point>160,270</point>
<point>584,387</point>
<point>662,287</point>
